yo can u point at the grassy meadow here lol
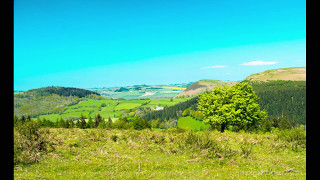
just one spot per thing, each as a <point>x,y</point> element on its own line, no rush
<point>191,123</point>
<point>169,154</point>
<point>112,108</point>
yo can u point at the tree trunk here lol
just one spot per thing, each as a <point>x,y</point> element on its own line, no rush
<point>223,126</point>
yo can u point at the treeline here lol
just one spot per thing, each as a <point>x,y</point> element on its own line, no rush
<point>279,98</point>
<point>171,112</point>
<point>136,122</point>
<point>62,91</point>
<point>283,98</point>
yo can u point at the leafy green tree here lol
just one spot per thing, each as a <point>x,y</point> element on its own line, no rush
<point>186,112</point>
<point>102,124</point>
<point>234,105</point>
<point>138,123</point>
<point>284,123</point>
<point>97,119</point>
<point>16,119</point>
<point>22,119</point>
<point>90,123</point>
<point>121,123</point>
<point>71,123</point>
<point>109,120</point>
<point>28,118</point>
<point>155,123</point>
<point>109,123</point>
<point>60,123</point>
<point>82,122</point>
<point>266,125</point>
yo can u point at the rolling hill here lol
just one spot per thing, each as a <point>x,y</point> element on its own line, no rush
<point>48,100</point>
<point>203,85</point>
<point>282,92</point>
<point>293,74</point>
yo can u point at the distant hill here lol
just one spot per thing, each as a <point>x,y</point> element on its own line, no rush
<point>293,74</point>
<point>142,91</point>
<point>62,91</point>
<point>278,98</point>
<point>281,92</point>
<point>48,100</point>
<point>203,85</point>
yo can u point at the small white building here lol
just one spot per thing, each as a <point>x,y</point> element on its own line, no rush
<point>158,108</point>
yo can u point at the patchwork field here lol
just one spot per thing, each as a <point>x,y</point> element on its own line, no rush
<point>108,108</point>
<point>142,91</point>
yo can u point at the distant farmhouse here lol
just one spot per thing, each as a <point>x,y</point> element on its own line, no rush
<point>158,108</point>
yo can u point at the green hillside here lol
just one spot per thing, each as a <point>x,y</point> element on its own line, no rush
<point>61,91</point>
<point>278,98</point>
<point>48,100</point>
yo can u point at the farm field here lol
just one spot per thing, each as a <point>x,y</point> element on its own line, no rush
<point>190,123</point>
<point>142,91</point>
<point>147,154</point>
<point>113,108</point>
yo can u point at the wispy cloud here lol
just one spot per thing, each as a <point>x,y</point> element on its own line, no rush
<point>213,67</point>
<point>258,63</point>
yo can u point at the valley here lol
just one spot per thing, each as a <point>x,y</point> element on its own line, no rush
<point>157,132</point>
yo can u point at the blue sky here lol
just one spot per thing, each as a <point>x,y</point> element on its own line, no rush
<point>104,43</point>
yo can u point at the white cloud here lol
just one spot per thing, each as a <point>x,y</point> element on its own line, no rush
<point>258,63</point>
<point>228,73</point>
<point>214,67</point>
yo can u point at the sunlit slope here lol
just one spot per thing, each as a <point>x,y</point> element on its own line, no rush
<point>203,85</point>
<point>293,74</point>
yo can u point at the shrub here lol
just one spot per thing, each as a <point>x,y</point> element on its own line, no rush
<point>30,142</point>
<point>138,123</point>
<point>114,138</point>
<point>246,148</point>
<point>103,105</point>
<point>296,137</point>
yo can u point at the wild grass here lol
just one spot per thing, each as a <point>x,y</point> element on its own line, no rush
<point>191,123</point>
<point>170,154</point>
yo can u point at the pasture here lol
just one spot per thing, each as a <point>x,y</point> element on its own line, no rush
<point>190,123</point>
<point>112,108</point>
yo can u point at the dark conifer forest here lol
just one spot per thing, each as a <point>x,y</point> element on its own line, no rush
<point>278,98</point>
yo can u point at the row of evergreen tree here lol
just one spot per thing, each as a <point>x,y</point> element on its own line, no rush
<point>279,98</point>
<point>283,98</point>
<point>171,112</point>
<point>98,122</point>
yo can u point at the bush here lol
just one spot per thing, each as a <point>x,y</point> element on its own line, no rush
<point>30,142</point>
<point>295,137</point>
<point>138,123</point>
<point>246,148</point>
<point>114,138</point>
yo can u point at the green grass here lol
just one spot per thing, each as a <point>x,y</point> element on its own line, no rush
<point>189,122</point>
<point>165,102</point>
<point>92,154</point>
<point>113,107</point>
<point>129,104</point>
